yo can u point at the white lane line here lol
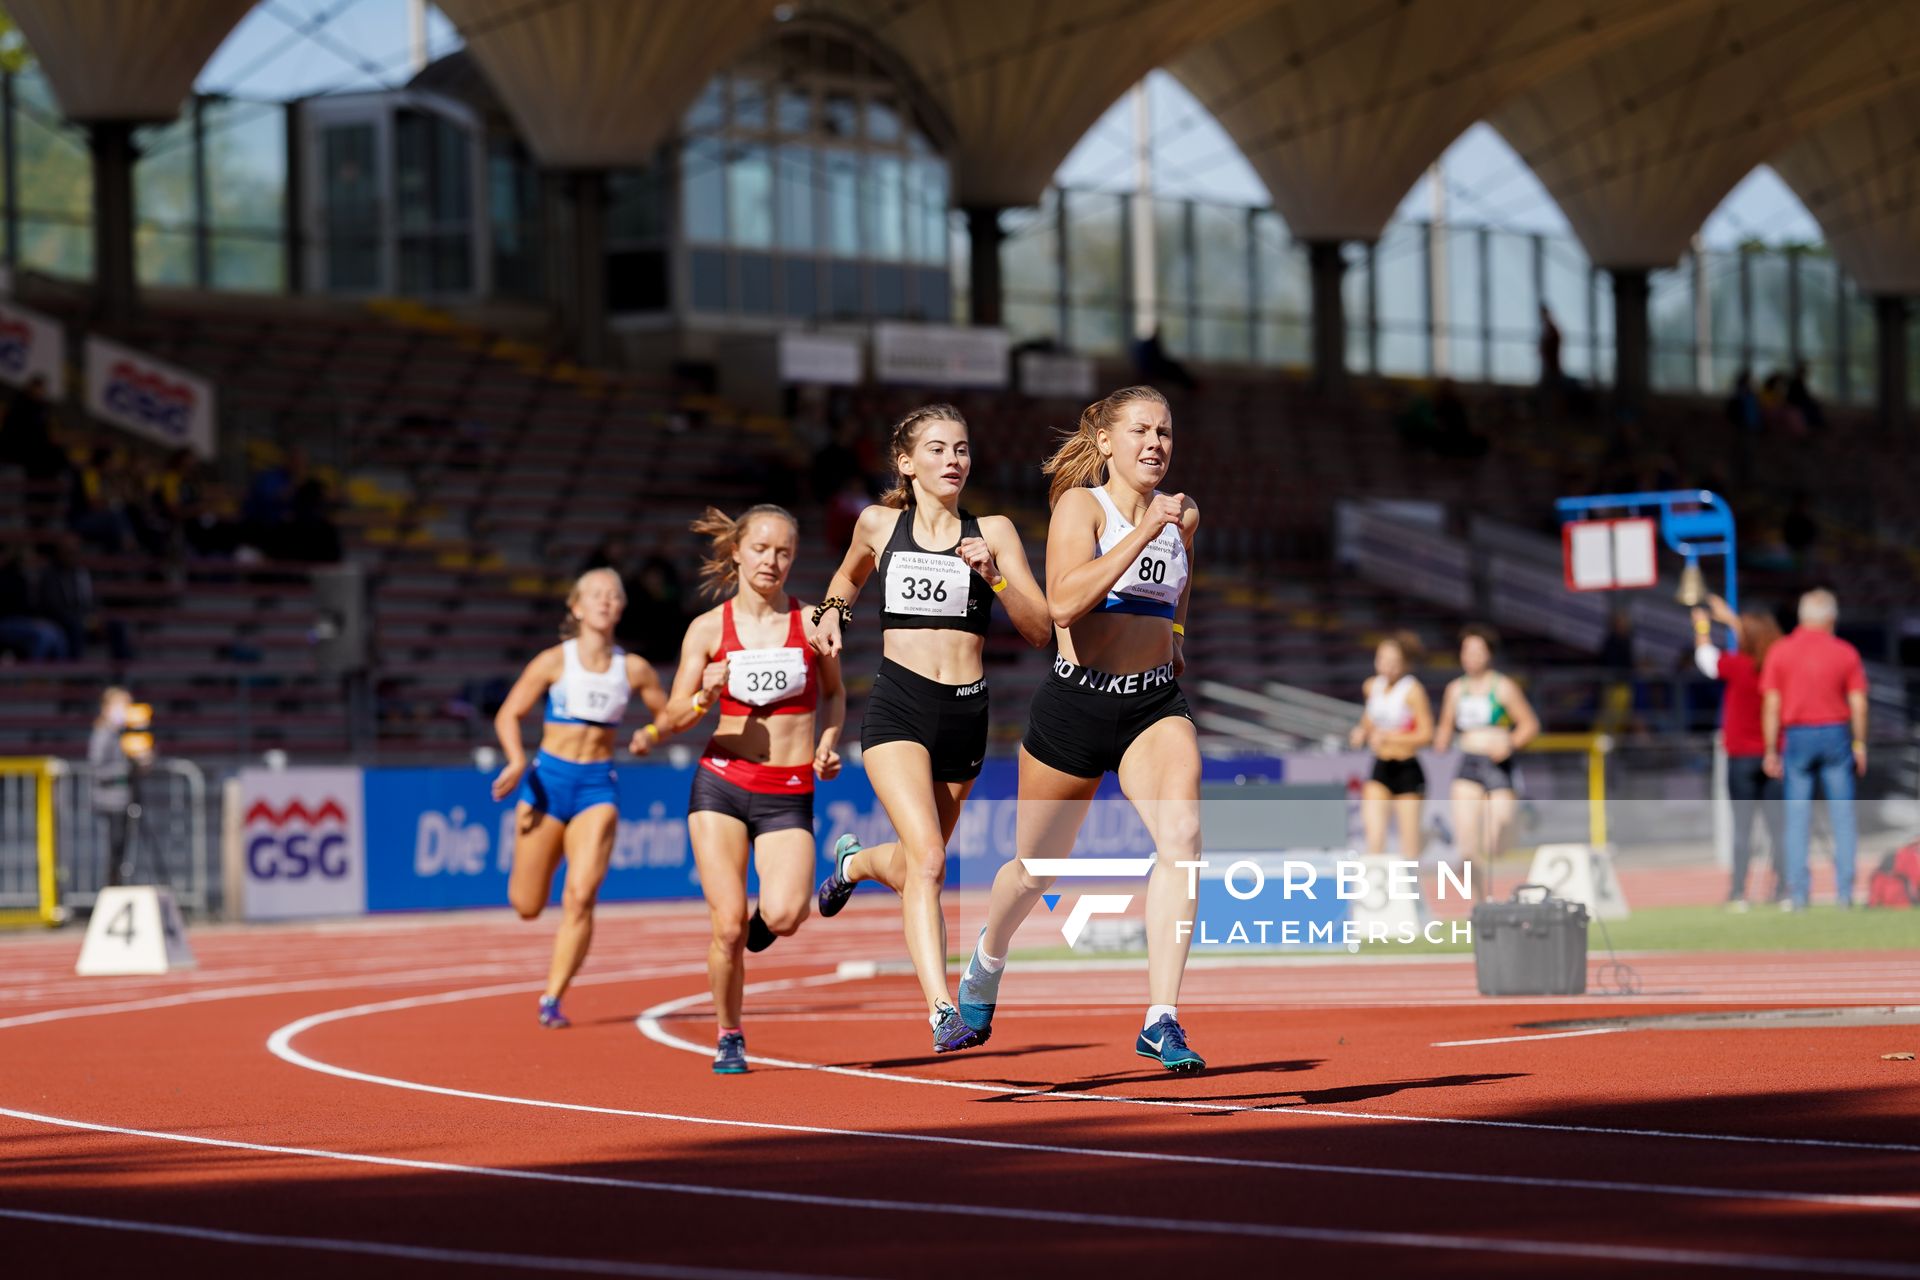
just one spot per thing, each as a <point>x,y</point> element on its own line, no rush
<point>1062,1217</point>
<point>1546,1035</point>
<point>546,1264</point>
<point>281,1045</point>
<point>649,1025</point>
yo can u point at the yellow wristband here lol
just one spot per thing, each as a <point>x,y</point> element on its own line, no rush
<point>1180,629</point>
<point>999,586</point>
<point>1859,744</point>
<point>652,731</point>
<point>700,701</point>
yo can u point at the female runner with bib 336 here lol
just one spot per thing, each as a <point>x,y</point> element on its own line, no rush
<point>1119,572</point>
<point>569,801</point>
<point>781,708</point>
<point>924,735</point>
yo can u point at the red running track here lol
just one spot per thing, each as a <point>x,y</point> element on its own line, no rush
<point>377,1096</point>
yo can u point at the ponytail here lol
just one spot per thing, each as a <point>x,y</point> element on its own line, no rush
<point>906,434</point>
<point>719,574</point>
<point>570,625</point>
<point>1076,463</point>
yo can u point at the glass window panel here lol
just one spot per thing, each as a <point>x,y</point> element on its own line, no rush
<point>1726,346</point>
<point>750,195</point>
<point>1767,274</point>
<point>801,280</point>
<point>1516,313</point>
<point>1357,301</point>
<point>936,300</point>
<point>1030,270</point>
<point>1863,345</point>
<point>708,112</point>
<point>1285,292</point>
<point>248,263</point>
<point>350,186</point>
<point>163,257</point>
<point>795,110</point>
<point>749,103</point>
<point>795,193</point>
<point>1670,327</point>
<point>708,268</point>
<point>848,297</point>
<point>163,193</point>
<point>1224,280</point>
<point>840,116</point>
<point>1466,344</point>
<point>1568,278</point>
<point>890,291</point>
<point>246,150</point>
<point>1096,263</point>
<point>930,197</point>
<point>887,207</point>
<point>1400,261</point>
<point>1172,276</point>
<point>55,173</point>
<point>883,121</point>
<point>704,191</point>
<point>843,203</point>
<point>1818,321</point>
<point>1603,327</point>
<point>756,283</point>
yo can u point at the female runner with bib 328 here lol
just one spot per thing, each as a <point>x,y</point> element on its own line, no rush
<point>925,732</point>
<point>1119,572</point>
<point>569,802</point>
<point>781,708</point>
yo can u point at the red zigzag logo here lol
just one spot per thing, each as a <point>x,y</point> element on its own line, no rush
<point>262,811</point>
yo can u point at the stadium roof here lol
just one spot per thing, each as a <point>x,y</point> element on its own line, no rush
<point>1637,115</point>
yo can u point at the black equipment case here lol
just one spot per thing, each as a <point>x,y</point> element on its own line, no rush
<point>1536,948</point>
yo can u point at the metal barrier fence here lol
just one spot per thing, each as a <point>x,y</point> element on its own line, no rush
<point>162,836</point>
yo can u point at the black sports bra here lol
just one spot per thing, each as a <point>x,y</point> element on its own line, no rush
<point>931,590</point>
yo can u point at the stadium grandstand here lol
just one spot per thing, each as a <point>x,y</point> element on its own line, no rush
<point>320,398</point>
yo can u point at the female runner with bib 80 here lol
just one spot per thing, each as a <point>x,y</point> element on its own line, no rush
<point>569,799</point>
<point>924,736</point>
<point>1119,573</point>
<point>781,710</point>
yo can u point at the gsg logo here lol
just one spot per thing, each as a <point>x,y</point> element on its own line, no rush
<point>150,398</point>
<point>281,854</point>
<point>16,344</point>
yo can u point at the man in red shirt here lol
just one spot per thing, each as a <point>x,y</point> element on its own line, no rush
<point>1814,687</point>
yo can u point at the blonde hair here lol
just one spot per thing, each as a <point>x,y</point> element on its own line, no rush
<point>719,575</point>
<point>1077,463</point>
<point>570,625</point>
<point>906,434</point>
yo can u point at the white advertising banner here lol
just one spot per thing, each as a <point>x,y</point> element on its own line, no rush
<point>939,355</point>
<point>32,345</point>
<point>1047,373</point>
<point>303,848</point>
<point>820,360</point>
<point>149,397</point>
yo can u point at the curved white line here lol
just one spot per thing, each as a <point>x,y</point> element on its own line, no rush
<point>544,1264</point>
<point>281,1045</point>
<point>1059,1217</point>
<point>649,1024</point>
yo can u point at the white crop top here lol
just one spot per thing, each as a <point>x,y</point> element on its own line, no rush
<point>581,696</point>
<point>1387,707</point>
<point>1153,583</point>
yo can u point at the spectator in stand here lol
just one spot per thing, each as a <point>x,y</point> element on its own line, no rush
<point>1798,530</point>
<point>64,596</point>
<point>112,779</point>
<point>1154,366</point>
<point>1552,377</point>
<point>1743,406</point>
<point>212,526</point>
<point>1814,726</point>
<point>311,536</point>
<point>1454,436</point>
<point>1779,415</point>
<point>1755,632</point>
<point>23,633</point>
<point>1800,399</point>
<point>26,437</point>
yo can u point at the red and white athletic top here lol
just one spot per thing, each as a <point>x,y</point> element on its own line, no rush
<point>779,681</point>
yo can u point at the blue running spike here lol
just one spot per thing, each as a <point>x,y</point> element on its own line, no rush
<point>1051,899</point>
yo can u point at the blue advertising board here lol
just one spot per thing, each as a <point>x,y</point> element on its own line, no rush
<point>437,839</point>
